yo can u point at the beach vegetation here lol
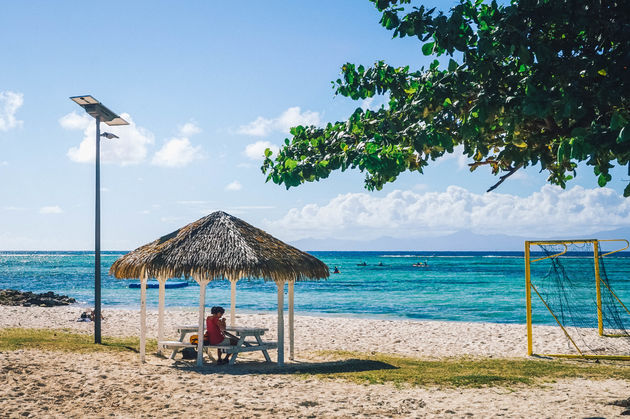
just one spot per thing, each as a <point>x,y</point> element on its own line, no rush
<point>12,339</point>
<point>527,83</point>
<point>461,372</point>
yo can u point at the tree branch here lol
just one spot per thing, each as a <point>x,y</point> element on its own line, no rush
<point>505,176</point>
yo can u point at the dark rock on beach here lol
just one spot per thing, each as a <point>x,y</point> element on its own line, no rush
<point>29,299</point>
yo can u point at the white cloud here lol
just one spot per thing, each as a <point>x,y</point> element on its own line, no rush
<point>4,163</point>
<point>177,152</point>
<point>256,151</point>
<point>551,212</point>
<point>374,103</point>
<point>259,127</point>
<point>234,186</point>
<point>55,209</point>
<point>75,121</point>
<point>10,102</point>
<point>459,155</point>
<point>130,148</point>
<point>188,129</point>
<point>292,117</point>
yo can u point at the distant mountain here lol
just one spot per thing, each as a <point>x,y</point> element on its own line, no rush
<point>460,241</point>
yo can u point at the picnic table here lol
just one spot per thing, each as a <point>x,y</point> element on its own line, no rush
<point>243,345</point>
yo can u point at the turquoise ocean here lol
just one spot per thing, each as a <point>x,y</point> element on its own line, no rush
<point>454,286</point>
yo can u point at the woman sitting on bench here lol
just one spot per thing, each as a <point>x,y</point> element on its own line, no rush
<point>216,334</point>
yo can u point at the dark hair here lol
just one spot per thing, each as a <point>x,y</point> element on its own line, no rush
<point>217,309</point>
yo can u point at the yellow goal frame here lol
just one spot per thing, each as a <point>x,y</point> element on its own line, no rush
<point>598,282</point>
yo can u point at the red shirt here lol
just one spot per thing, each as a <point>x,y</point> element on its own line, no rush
<point>214,334</point>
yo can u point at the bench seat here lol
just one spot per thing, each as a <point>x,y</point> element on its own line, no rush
<point>175,344</point>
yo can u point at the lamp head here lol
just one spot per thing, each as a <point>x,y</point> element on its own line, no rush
<point>109,135</point>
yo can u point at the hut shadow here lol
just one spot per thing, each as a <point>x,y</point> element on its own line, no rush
<point>297,368</point>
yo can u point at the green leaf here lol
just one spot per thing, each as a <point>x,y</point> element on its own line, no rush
<point>411,90</point>
<point>579,132</point>
<point>290,164</point>
<point>624,135</point>
<point>602,72</point>
<point>299,130</point>
<point>452,65</point>
<point>382,4</point>
<point>524,55</point>
<point>519,142</point>
<point>371,148</point>
<point>562,152</point>
<point>427,49</point>
<point>268,152</point>
<point>576,148</point>
<point>617,121</point>
<point>626,191</point>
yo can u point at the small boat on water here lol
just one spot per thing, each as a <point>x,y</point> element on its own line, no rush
<point>420,265</point>
<point>156,284</point>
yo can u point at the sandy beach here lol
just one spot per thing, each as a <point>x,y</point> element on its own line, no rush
<point>52,384</point>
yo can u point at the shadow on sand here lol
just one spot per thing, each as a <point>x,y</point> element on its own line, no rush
<point>257,367</point>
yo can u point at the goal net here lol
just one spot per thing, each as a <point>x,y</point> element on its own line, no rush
<point>577,290</point>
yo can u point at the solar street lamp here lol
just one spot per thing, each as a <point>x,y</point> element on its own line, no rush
<point>102,114</point>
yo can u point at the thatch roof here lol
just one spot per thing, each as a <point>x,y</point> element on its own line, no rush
<point>219,246</point>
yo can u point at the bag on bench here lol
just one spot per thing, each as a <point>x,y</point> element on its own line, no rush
<point>233,339</point>
<point>189,353</point>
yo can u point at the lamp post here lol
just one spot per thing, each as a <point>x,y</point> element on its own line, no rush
<point>101,114</point>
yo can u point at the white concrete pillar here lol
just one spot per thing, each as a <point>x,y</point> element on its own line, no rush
<point>162,280</point>
<point>280,285</point>
<point>202,314</point>
<point>233,302</point>
<point>143,317</point>
<point>291,331</point>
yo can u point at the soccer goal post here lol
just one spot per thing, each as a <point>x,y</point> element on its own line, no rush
<point>567,285</point>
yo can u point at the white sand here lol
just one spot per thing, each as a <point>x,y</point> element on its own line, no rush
<point>50,384</point>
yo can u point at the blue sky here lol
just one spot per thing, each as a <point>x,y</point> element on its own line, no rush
<point>207,85</point>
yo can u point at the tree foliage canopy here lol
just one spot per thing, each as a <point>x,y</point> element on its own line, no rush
<point>531,82</point>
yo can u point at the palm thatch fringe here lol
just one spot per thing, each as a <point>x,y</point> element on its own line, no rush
<point>219,246</point>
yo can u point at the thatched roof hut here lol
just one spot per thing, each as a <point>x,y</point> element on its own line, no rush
<point>219,246</point>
